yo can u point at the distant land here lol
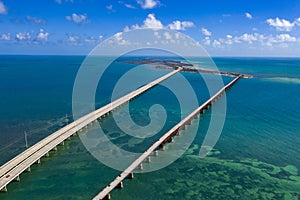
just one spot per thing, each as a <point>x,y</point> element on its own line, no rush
<point>186,67</point>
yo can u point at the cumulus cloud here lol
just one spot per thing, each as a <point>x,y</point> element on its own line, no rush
<point>129,6</point>
<point>148,4</point>
<point>5,37</point>
<point>205,32</point>
<point>3,9</point>
<point>178,25</point>
<point>35,20</point>
<point>297,21</point>
<point>217,44</point>
<point>42,35</point>
<point>206,41</point>
<point>93,40</point>
<point>153,23</point>
<point>248,15</point>
<point>60,1</point>
<point>23,36</point>
<point>109,7</point>
<point>281,24</point>
<point>280,40</point>
<point>118,39</point>
<point>73,38</point>
<point>77,18</point>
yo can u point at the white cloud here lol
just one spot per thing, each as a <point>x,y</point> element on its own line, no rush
<point>129,6</point>
<point>3,9</point>
<point>73,38</point>
<point>93,40</point>
<point>248,15</point>
<point>42,35</point>
<point>152,22</point>
<point>77,18</point>
<point>250,38</point>
<point>281,24</point>
<point>178,25</point>
<point>168,36</point>
<point>148,4</point>
<point>206,41</point>
<point>60,1</point>
<point>297,21</point>
<point>23,36</point>
<point>217,44</point>
<point>118,39</point>
<point>109,7</point>
<point>205,32</point>
<point>5,37</point>
<point>281,40</point>
<point>35,20</point>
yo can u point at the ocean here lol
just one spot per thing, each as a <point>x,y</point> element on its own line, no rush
<point>256,157</point>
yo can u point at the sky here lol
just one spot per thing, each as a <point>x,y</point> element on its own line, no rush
<point>223,27</point>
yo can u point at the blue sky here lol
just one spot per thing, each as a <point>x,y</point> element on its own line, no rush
<point>222,27</point>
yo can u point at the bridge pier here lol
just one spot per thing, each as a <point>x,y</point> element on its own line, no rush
<point>141,166</point>
<point>107,197</point>
<point>28,169</point>
<point>63,143</point>
<point>4,189</point>
<point>148,159</point>
<point>120,185</point>
<point>189,122</point>
<point>17,178</point>
<point>47,154</point>
<point>130,175</point>
<point>55,148</point>
<point>38,161</point>
<point>156,153</point>
<point>172,139</point>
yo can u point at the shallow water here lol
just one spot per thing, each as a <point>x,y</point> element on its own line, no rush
<point>256,157</point>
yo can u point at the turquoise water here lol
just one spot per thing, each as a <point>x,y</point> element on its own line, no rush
<point>256,157</point>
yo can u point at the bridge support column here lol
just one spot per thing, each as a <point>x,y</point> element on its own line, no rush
<point>130,175</point>
<point>141,166</point>
<point>107,197</point>
<point>47,154</point>
<point>178,133</point>
<point>155,153</point>
<point>183,127</point>
<point>38,161</point>
<point>148,159</point>
<point>28,169</point>
<point>17,178</point>
<point>54,149</point>
<point>62,143</point>
<point>4,189</point>
<point>162,147</point>
<point>172,139</point>
<point>120,185</point>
